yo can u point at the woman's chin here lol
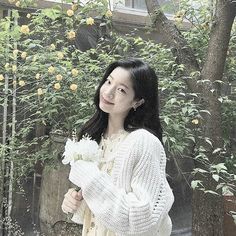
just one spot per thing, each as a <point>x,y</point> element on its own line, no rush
<point>103,108</point>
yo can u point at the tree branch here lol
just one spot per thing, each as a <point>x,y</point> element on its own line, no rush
<point>175,40</point>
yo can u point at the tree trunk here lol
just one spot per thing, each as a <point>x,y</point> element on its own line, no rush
<point>214,67</point>
<point>207,208</point>
<point>54,185</point>
<point>208,212</point>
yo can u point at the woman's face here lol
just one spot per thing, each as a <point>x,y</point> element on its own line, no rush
<point>117,93</point>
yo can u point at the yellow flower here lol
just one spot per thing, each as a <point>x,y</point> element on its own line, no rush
<point>34,58</point>
<point>1,77</point>
<point>22,83</point>
<point>178,19</point>
<point>51,69</point>
<point>59,77</point>
<point>37,76</point>
<point>108,13</point>
<point>71,35</point>
<point>74,7</point>
<point>60,55</point>
<point>24,29</point>
<point>179,14</point>
<point>23,55</point>
<point>14,68</point>
<point>15,52</point>
<point>205,25</point>
<point>28,15</point>
<point>74,72</point>
<point>7,66</point>
<point>195,121</point>
<point>57,86</point>
<point>90,21</point>
<point>70,12</point>
<point>40,92</point>
<point>18,4</point>
<point>52,47</point>
<point>73,87</point>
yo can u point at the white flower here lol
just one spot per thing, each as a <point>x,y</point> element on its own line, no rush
<point>86,149</point>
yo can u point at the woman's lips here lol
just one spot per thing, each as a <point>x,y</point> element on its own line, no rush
<point>105,101</point>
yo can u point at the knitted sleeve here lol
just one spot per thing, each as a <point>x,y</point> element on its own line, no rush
<point>140,210</point>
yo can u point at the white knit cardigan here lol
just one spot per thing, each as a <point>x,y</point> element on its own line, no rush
<point>136,198</point>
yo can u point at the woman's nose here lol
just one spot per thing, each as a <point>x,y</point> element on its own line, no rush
<point>110,93</point>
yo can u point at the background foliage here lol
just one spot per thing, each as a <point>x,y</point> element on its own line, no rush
<point>54,83</point>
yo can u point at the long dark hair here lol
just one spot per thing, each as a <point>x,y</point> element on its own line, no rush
<point>145,85</point>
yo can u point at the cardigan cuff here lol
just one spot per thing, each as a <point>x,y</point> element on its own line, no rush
<point>83,172</point>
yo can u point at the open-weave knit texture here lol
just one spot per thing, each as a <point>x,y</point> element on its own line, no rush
<point>136,198</point>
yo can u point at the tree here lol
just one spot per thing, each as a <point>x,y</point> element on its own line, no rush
<point>207,208</point>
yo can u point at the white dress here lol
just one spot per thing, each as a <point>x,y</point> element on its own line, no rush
<point>91,226</point>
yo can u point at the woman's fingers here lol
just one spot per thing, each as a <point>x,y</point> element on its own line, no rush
<point>77,195</point>
<point>72,201</point>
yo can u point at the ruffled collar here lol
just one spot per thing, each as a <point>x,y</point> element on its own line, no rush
<point>115,136</point>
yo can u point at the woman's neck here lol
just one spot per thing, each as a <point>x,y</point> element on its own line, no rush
<point>114,126</point>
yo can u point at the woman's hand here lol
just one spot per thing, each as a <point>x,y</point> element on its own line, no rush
<point>72,201</point>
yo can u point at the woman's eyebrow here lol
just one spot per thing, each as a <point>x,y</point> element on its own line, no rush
<point>120,83</point>
<point>111,76</point>
<point>124,85</point>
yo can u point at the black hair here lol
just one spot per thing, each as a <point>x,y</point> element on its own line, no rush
<point>145,85</point>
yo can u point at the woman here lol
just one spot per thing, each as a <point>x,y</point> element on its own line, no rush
<point>127,194</point>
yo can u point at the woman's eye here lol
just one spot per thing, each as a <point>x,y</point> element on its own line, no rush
<point>121,90</point>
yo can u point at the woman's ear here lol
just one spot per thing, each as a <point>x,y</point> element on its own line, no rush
<point>138,103</point>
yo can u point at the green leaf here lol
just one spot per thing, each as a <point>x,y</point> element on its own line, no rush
<point>195,183</point>
<point>205,111</point>
<point>166,120</point>
<point>226,190</point>
<point>208,141</point>
<point>164,139</point>
<point>172,100</point>
<point>184,109</point>
<point>200,170</point>
<point>219,167</point>
<point>219,186</point>
<point>219,81</point>
<point>15,13</point>
<point>216,150</point>
<point>233,214</point>
<point>216,177</point>
<point>192,138</point>
<point>211,192</point>
<point>51,13</point>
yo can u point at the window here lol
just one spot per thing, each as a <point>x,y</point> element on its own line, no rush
<point>168,6</point>
<point>137,4</point>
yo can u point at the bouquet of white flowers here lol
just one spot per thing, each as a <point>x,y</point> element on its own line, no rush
<point>86,149</point>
